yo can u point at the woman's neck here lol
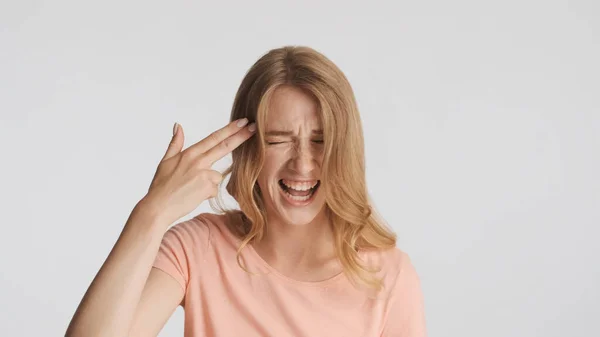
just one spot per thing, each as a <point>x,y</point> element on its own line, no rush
<point>306,251</point>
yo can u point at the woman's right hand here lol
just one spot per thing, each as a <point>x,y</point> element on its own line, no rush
<point>184,179</point>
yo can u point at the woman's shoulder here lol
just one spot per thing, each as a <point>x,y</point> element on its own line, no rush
<point>388,262</point>
<point>198,238</point>
<point>200,229</point>
<point>217,228</point>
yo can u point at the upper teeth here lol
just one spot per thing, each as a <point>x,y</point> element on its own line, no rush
<point>300,186</point>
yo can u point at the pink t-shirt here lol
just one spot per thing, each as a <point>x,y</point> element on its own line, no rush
<point>223,300</point>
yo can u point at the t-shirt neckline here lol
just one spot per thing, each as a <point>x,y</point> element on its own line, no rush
<point>275,272</point>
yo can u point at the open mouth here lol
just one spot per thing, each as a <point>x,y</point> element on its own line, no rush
<point>299,191</point>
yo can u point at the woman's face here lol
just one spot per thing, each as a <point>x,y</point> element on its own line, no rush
<point>290,177</point>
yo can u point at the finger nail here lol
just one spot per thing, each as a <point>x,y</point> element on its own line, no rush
<point>252,127</point>
<point>242,122</point>
<point>175,126</point>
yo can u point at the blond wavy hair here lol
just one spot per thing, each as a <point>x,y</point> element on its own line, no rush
<point>356,226</point>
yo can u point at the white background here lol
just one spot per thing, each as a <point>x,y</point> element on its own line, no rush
<point>481,120</point>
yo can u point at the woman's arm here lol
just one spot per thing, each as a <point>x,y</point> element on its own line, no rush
<point>111,306</point>
<point>127,295</point>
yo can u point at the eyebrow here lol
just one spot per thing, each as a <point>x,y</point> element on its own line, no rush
<point>289,133</point>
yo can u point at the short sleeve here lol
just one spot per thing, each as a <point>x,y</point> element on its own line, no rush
<point>175,255</point>
<point>406,316</point>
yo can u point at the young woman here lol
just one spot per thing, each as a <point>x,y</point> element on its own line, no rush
<point>304,255</point>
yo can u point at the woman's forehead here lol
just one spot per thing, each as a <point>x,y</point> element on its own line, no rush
<point>292,110</point>
<point>289,103</point>
<point>293,120</point>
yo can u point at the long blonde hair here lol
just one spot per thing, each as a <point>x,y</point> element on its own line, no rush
<point>356,226</point>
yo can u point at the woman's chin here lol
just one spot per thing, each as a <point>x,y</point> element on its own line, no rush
<point>299,216</point>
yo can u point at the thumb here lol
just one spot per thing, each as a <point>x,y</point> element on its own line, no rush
<point>176,143</point>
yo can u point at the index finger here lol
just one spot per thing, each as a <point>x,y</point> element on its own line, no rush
<point>218,136</point>
<point>229,144</point>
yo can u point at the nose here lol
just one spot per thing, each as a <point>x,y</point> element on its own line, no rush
<point>304,160</point>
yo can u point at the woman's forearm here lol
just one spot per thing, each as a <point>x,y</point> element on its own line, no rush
<point>109,304</point>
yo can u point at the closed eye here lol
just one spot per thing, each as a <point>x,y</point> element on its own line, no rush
<point>317,141</point>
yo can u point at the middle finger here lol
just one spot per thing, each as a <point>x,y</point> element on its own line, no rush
<point>229,144</point>
<point>216,137</point>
